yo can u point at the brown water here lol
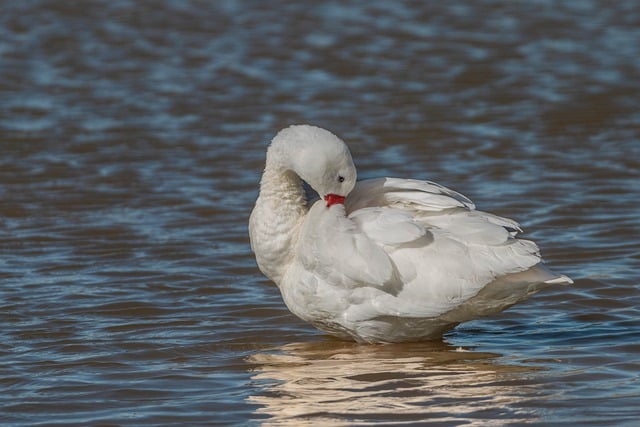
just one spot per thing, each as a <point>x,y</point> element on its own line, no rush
<point>132,137</point>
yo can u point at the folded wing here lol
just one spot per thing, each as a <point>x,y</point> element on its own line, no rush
<point>415,249</point>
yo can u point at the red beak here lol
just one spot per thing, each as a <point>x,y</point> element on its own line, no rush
<point>333,199</point>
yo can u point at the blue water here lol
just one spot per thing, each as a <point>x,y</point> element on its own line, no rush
<point>133,137</point>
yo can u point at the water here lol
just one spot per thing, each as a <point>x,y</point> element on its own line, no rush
<point>133,136</point>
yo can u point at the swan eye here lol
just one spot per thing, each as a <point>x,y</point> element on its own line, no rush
<point>340,178</point>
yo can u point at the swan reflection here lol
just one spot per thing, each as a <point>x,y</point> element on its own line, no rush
<point>342,383</point>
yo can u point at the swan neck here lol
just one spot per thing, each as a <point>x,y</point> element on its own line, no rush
<point>276,219</point>
<point>279,181</point>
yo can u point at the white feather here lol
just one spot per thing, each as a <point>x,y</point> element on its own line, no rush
<point>401,260</point>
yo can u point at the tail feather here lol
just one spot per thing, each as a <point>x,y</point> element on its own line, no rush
<point>506,291</point>
<point>560,280</point>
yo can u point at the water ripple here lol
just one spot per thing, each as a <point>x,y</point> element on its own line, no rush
<point>133,137</point>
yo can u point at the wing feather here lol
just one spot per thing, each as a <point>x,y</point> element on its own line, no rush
<point>419,195</point>
<point>388,226</point>
<point>409,249</point>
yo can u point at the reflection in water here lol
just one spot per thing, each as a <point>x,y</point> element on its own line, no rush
<point>427,382</point>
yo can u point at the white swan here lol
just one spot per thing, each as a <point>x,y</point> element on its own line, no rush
<point>381,260</point>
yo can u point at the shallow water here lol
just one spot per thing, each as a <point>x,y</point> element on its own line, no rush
<point>133,137</point>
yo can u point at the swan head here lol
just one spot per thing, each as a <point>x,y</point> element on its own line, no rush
<point>318,157</point>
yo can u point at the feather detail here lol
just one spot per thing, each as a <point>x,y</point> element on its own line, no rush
<point>401,260</point>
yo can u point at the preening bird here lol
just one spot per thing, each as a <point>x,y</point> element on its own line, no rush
<point>386,259</point>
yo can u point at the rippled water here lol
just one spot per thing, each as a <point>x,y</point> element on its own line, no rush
<point>132,137</point>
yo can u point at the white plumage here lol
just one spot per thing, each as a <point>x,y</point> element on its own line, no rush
<point>397,260</point>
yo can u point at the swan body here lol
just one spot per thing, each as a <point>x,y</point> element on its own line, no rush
<point>382,260</point>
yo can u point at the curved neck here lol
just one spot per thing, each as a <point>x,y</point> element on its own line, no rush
<point>276,218</point>
<point>280,183</point>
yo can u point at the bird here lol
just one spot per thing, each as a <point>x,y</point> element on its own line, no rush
<point>382,260</point>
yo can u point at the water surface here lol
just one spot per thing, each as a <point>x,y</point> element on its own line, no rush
<point>132,139</point>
